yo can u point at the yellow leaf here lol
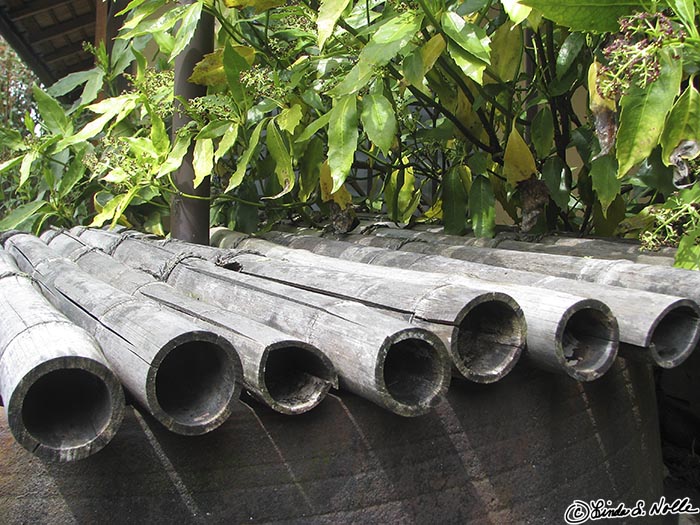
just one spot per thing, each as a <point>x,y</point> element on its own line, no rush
<point>434,213</point>
<point>597,103</point>
<point>341,197</point>
<point>431,51</point>
<point>519,164</point>
<point>507,51</point>
<point>210,70</point>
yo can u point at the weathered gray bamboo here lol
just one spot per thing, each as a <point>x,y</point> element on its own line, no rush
<point>287,374</point>
<point>627,274</point>
<point>63,403</point>
<point>398,366</point>
<point>556,245</point>
<point>484,331</point>
<point>184,376</point>
<point>556,338</point>
<point>654,327</point>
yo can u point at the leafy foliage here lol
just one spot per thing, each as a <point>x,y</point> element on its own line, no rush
<point>429,110</point>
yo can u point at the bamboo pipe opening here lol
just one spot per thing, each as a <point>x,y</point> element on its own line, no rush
<point>414,372</point>
<point>589,342</point>
<point>65,412</point>
<point>296,378</point>
<point>675,336</point>
<point>490,340</point>
<point>195,386</point>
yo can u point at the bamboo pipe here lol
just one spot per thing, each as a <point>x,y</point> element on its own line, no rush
<point>552,244</point>
<point>623,273</point>
<point>484,331</point>
<point>63,403</point>
<point>288,375</point>
<point>655,328</point>
<point>400,367</point>
<point>566,334</point>
<point>184,376</point>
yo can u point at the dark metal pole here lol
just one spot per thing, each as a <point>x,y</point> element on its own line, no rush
<point>189,217</point>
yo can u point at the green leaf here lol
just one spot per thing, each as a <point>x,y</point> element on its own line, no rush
<point>289,118</point>
<point>468,63</point>
<point>684,9</point>
<point>11,139</point>
<point>202,160</point>
<point>482,207</point>
<point>75,172</point>
<point>470,37</point>
<point>10,163</point>
<point>454,203</point>
<point>654,174</point>
<point>26,167</point>
<point>543,131</point>
<point>516,11</point>
<point>174,159</point>
<point>644,112</point>
<point>401,196</point>
<point>569,52</point>
<point>605,225</point>
<point>554,175</point>
<point>110,210</point>
<point>688,253</point>
<point>234,65</point>
<point>21,214</point>
<point>518,162</point>
<point>421,61</point>
<point>112,108</point>
<point>190,19</point>
<point>227,141</point>
<point>52,114</point>
<point>605,182</point>
<point>314,127</point>
<point>328,14</point>
<point>244,160</point>
<point>379,121</point>
<point>587,15</point>
<point>342,139</point>
<point>159,135</point>
<point>310,168</point>
<point>214,129</point>
<point>683,123</point>
<point>283,159</point>
<point>390,39</point>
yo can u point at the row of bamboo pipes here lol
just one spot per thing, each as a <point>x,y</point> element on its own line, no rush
<point>390,317</point>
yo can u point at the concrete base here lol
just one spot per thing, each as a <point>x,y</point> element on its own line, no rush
<point>518,451</point>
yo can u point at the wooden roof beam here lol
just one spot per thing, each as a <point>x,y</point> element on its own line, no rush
<point>36,7</point>
<point>64,28</point>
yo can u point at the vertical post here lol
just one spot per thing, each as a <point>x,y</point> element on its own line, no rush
<point>101,14</point>
<point>189,217</point>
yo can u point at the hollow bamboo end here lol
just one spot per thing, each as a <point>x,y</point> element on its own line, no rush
<point>66,409</point>
<point>193,383</point>
<point>413,372</point>
<point>589,340</point>
<point>296,377</point>
<point>490,339</point>
<point>676,335</point>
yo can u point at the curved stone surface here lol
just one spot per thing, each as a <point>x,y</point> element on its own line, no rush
<point>517,451</point>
